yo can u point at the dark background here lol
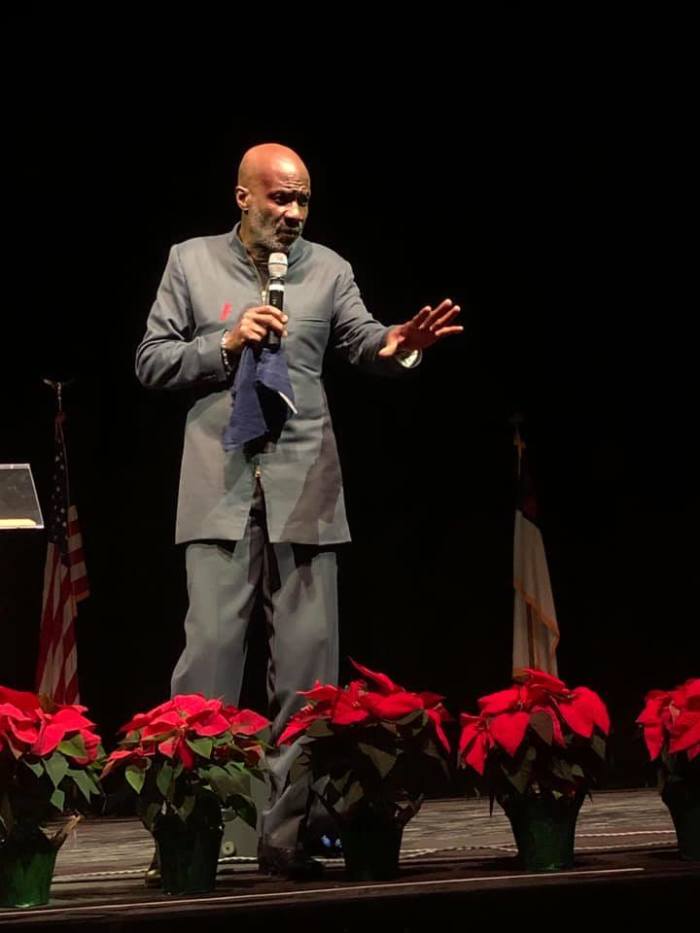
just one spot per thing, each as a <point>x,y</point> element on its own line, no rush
<point>549,189</point>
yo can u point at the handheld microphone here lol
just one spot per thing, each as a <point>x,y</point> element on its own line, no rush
<point>277,269</point>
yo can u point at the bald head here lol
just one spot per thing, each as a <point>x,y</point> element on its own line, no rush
<point>273,194</point>
<point>268,158</point>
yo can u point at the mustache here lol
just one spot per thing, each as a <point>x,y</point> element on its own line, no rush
<point>287,228</point>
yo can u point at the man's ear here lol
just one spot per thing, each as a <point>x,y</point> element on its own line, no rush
<point>242,198</point>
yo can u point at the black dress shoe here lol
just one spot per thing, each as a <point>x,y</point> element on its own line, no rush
<point>286,863</point>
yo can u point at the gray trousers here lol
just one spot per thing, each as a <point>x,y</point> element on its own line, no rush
<point>298,584</point>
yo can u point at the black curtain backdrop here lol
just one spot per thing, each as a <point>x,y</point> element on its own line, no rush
<point>552,203</point>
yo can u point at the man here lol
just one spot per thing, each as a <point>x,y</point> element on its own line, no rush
<point>266,516</point>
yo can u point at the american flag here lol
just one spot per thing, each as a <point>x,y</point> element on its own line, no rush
<point>65,585</point>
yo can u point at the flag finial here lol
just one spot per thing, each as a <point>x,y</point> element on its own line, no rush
<point>58,388</point>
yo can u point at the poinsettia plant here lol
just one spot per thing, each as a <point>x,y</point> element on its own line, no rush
<point>538,737</point>
<point>671,724</point>
<point>188,748</point>
<point>369,747</point>
<point>49,758</point>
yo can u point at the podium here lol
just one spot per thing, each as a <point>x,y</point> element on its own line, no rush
<point>19,505</point>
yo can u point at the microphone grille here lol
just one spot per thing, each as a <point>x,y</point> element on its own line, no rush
<point>277,265</point>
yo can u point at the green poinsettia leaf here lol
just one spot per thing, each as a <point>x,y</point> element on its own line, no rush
<point>84,782</point>
<point>236,766</point>
<point>319,729</point>
<point>341,782</point>
<point>149,815</point>
<point>58,798</point>
<point>383,761</point>
<point>16,752</point>
<point>36,767</point>
<point>75,747</point>
<point>562,769</point>
<point>320,786</point>
<point>411,717</point>
<point>542,724</point>
<point>300,768</point>
<point>332,795</point>
<point>56,768</point>
<point>245,809</point>
<point>164,780</point>
<point>240,778</point>
<point>221,782</point>
<point>136,777</point>
<point>520,779</point>
<point>578,771</point>
<point>187,807</point>
<point>202,746</point>
<point>354,795</point>
<point>598,745</point>
<point>224,739</point>
<point>433,750</point>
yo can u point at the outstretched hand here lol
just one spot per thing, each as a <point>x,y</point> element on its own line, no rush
<point>423,330</point>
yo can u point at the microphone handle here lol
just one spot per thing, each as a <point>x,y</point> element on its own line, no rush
<point>275,297</point>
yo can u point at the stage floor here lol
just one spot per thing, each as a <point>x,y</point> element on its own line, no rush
<point>452,848</point>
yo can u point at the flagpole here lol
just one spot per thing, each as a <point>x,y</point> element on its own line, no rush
<point>516,420</point>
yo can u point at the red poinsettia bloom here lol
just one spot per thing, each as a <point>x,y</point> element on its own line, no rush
<point>32,729</point>
<point>508,730</point>
<point>671,719</point>
<point>168,729</point>
<point>65,723</point>
<point>392,706</point>
<point>398,702</point>
<point>507,715</point>
<point>22,699</point>
<point>170,724</point>
<point>18,719</point>
<point>475,741</point>
<point>245,726</point>
<point>356,704</point>
<point>244,721</point>
<point>125,756</point>
<point>18,728</point>
<point>385,684</point>
<point>339,706</point>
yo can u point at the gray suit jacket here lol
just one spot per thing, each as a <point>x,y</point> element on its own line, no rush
<point>209,282</point>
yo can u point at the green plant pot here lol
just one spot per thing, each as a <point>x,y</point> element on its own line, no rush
<point>683,800</point>
<point>188,851</point>
<point>544,830</point>
<point>27,861</point>
<point>371,847</point>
